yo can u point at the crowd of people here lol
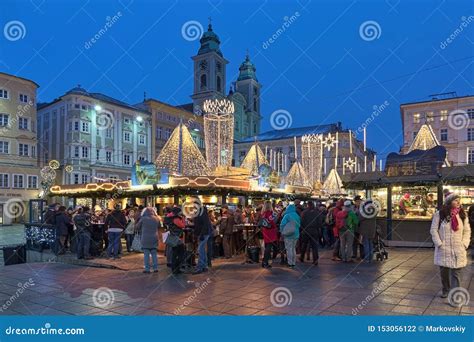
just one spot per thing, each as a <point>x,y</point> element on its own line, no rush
<point>281,231</point>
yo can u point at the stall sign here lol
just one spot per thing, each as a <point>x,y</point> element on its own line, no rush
<point>417,162</point>
<point>146,173</point>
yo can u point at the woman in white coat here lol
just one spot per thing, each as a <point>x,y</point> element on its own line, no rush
<point>451,235</point>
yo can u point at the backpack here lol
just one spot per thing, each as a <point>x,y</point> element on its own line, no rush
<point>289,228</point>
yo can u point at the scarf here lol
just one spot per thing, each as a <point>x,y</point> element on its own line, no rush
<point>454,220</point>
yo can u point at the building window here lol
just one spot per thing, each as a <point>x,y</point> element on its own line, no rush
<point>429,116</point>
<point>108,156</point>
<point>203,84</point>
<point>470,156</point>
<point>141,139</point>
<point>443,115</point>
<point>113,178</point>
<point>470,113</point>
<point>443,134</point>
<point>85,152</point>
<point>85,127</point>
<point>76,152</point>
<point>126,159</point>
<point>470,134</point>
<point>219,87</point>
<point>127,136</point>
<point>23,98</point>
<point>75,178</point>
<point>97,154</point>
<point>22,123</point>
<point>4,147</point>
<point>23,150</point>
<point>108,133</point>
<point>18,181</point>
<point>84,179</point>
<point>416,118</point>
<point>126,120</point>
<point>33,151</point>
<point>77,106</point>
<point>46,157</point>
<point>3,119</point>
<point>76,125</point>
<point>4,180</point>
<point>158,132</point>
<point>3,94</point>
<point>32,182</point>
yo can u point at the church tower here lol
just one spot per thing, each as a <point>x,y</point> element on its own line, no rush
<point>248,85</point>
<point>209,69</point>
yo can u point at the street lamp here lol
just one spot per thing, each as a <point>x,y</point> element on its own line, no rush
<point>139,118</point>
<point>97,108</point>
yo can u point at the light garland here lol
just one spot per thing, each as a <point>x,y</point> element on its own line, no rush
<point>219,132</point>
<point>180,155</point>
<point>350,163</point>
<point>311,156</point>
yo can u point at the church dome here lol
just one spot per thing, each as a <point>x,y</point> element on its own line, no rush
<point>247,70</point>
<point>210,42</point>
<point>78,90</point>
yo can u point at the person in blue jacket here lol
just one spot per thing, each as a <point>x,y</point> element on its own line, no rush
<point>291,218</point>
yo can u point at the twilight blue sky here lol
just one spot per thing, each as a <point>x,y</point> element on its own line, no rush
<point>320,69</point>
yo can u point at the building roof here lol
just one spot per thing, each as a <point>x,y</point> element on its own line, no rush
<point>436,100</point>
<point>98,96</point>
<point>210,42</point>
<point>294,132</point>
<point>247,70</point>
<point>21,78</point>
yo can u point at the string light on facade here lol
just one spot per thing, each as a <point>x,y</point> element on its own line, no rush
<point>311,156</point>
<point>181,156</point>
<point>350,163</point>
<point>329,142</point>
<point>219,132</point>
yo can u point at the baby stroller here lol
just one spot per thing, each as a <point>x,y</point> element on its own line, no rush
<point>379,247</point>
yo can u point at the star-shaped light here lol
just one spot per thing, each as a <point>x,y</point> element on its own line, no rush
<point>350,163</point>
<point>329,142</point>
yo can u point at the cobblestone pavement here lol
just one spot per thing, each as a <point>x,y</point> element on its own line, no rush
<point>11,235</point>
<point>405,284</point>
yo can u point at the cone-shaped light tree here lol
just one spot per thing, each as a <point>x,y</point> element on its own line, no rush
<point>333,183</point>
<point>254,158</point>
<point>425,139</point>
<point>181,156</point>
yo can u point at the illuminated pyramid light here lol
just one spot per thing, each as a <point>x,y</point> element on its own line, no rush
<point>426,139</point>
<point>254,158</point>
<point>181,156</point>
<point>297,176</point>
<point>333,184</point>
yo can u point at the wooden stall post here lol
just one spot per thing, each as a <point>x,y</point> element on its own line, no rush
<point>440,195</point>
<point>389,212</point>
<point>176,199</point>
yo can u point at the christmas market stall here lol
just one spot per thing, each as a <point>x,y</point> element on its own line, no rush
<point>409,190</point>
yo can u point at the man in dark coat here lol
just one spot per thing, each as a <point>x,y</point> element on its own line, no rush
<point>115,223</point>
<point>62,222</point>
<point>311,226</point>
<point>202,230</point>
<point>82,221</point>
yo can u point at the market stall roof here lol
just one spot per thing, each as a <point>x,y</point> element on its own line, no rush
<point>454,175</point>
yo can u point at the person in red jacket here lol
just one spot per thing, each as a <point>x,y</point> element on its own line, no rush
<point>338,224</point>
<point>269,229</point>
